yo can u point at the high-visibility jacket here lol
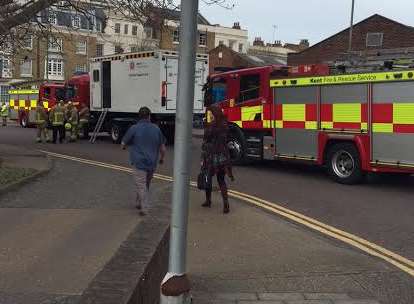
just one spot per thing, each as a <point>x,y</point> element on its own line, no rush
<point>41,116</point>
<point>57,116</point>
<point>84,116</point>
<point>73,116</point>
<point>4,111</point>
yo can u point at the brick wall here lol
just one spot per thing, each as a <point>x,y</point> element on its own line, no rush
<point>223,56</point>
<point>166,41</point>
<point>396,35</point>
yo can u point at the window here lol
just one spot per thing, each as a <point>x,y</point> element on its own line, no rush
<point>148,32</point>
<point>134,30</point>
<point>202,39</point>
<point>232,43</point>
<point>76,21</point>
<point>80,68</point>
<point>117,28</point>
<point>241,47</point>
<point>52,18</point>
<point>28,42</point>
<point>4,93</point>
<point>221,42</point>
<point>176,36</point>
<point>26,68</point>
<point>134,49</point>
<point>249,87</point>
<point>95,75</point>
<point>98,26</point>
<point>126,29</point>
<point>99,50</point>
<point>118,49</point>
<point>55,44</point>
<point>219,90</point>
<point>81,47</point>
<point>55,68</point>
<point>6,71</point>
<point>374,39</point>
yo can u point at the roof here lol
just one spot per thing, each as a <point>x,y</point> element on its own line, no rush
<point>175,15</point>
<point>355,25</point>
<point>262,60</point>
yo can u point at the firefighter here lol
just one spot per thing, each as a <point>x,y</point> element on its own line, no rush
<point>84,121</point>
<point>57,118</point>
<point>73,118</point>
<point>41,122</point>
<point>4,113</point>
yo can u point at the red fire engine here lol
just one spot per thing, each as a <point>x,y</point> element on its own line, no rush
<point>352,124</point>
<point>23,102</point>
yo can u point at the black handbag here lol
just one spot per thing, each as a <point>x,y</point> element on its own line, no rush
<point>204,180</point>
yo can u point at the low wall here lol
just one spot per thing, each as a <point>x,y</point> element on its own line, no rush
<point>134,273</point>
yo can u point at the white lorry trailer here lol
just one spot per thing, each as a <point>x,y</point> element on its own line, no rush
<point>121,84</point>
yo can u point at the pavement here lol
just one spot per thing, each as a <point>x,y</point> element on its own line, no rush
<point>251,256</point>
<point>58,231</point>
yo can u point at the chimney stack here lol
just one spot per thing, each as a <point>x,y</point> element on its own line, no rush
<point>236,26</point>
<point>258,42</point>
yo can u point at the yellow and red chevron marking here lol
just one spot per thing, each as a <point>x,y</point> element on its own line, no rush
<point>250,117</point>
<point>25,104</point>
<point>296,116</point>
<point>345,116</point>
<point>393,118</point>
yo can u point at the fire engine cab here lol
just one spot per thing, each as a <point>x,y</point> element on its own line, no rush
<point>352,124</point>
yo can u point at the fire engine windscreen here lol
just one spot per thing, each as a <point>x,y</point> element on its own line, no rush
<point>71,92</point>
<point>218,90</point>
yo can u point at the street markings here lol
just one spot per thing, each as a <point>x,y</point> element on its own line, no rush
<point>393,258</point>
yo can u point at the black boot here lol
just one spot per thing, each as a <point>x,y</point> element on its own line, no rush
<point>207,203</point>
<point>226,206</point>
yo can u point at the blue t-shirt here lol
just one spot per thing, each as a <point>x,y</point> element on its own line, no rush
<point>144,140</point>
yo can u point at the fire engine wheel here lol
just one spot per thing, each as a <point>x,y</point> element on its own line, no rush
<point>116,134</point>
<point>344,164</point>
<point>236,148</point>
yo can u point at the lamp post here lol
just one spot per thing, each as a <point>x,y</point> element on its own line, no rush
<point>175,286</point>
<point>351,28</point>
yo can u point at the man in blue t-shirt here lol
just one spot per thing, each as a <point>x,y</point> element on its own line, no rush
<point>146,147</point>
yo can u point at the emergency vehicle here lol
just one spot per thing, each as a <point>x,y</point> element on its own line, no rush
<point>352,124</point>
<point>23,102</point>
<point>119,85</point>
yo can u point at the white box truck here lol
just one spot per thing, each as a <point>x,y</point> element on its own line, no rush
<point>121,84</point>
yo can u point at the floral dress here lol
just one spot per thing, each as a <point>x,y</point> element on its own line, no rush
<point>215,152</point>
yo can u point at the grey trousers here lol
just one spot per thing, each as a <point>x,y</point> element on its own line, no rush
<point>142,182</point>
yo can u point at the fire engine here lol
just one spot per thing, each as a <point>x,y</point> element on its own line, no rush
<point>351,124</point>
<point>23,102</point>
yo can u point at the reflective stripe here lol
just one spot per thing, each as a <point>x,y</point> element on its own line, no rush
<point>46,104</point>
<point>347,112</point>
<point>11,103</point>
<point>267,124</point>
<point>311,125</point>
<point>327,125</point>
<point>239,123</point>
<point>364,126</point>
<point>383,127</point>
<point>33,104</point>
<point>293,112</point>
<point>249,113</point>
<point>344,79</point>
<point>403,113</point>
<point>279,124</point>
<point>22,103</point>
<point>16,92</point>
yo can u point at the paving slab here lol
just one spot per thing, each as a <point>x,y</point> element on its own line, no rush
<point>250,251</point>
<point>58,251</point>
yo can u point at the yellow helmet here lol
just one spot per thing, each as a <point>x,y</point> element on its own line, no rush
<point>68,126</point>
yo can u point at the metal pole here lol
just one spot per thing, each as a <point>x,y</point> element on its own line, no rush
<point>182,148</point>
<point>351,28</point>
<point>183,134</point>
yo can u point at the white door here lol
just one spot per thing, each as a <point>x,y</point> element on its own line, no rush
<point>171,71</point>
<point>200,79</point>
<point>96,85</point>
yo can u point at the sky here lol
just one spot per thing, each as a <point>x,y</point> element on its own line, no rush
<point>303,19</point>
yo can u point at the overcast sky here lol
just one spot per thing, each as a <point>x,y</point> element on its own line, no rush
<point>304,19</point>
